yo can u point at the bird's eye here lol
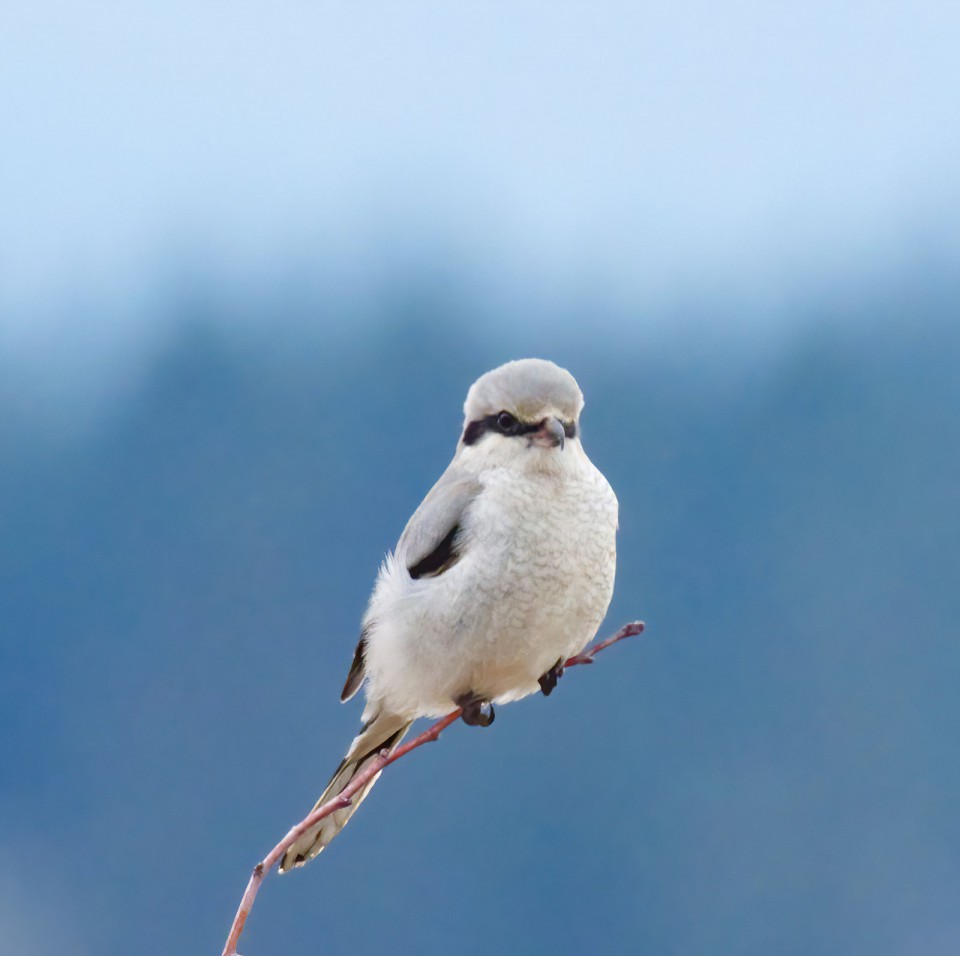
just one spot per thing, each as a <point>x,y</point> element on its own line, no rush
<point>506,422</point>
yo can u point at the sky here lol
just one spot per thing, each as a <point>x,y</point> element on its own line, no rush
<point>659,152</point>
<point>771,768</point>
<point>388,199</point>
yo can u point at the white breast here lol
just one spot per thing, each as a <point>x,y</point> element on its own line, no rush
<point>532,587</point>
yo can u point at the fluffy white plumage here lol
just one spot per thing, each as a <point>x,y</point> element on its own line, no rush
<point>505,570</point>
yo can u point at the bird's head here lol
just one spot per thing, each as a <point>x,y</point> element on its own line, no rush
<point>525,415</point>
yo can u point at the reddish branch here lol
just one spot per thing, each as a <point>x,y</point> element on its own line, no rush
<point>360,780</point>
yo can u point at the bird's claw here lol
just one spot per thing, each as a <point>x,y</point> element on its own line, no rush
<point>549,680</point>
<point>477,712</point>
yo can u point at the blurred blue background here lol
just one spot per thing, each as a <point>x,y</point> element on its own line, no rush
<point>251,257</point>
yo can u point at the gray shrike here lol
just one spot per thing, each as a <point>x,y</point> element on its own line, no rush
<point>504,571</point>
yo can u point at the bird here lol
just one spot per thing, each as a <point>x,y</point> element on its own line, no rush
<point>504,571</point>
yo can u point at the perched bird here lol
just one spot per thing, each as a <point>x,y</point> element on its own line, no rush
<point>504,572</point>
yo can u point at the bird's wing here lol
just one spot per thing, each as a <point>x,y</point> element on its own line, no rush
<point>356,675</point>
<point>430,544</point>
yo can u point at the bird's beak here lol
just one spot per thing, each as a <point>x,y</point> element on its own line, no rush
<point>550,434</point>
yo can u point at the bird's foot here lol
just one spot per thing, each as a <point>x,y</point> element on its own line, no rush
<point>549,680</point>
<point>477,712</point>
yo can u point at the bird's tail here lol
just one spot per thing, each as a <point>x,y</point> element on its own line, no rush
<point>384,732</point>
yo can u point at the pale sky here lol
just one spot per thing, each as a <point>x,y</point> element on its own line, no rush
<point>654,149</point>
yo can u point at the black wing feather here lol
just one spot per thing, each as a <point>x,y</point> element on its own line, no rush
<point>355,677</point>
<point>443,557</point>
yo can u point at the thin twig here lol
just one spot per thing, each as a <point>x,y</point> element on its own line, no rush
<point>343,799</point>
<point>586,657</point>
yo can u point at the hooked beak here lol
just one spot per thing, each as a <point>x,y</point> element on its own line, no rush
<point>550,434</point>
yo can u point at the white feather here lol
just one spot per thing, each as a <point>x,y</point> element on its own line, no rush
<point>534,575</point>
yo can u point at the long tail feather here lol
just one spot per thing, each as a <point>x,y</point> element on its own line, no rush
<point>384,732</point>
